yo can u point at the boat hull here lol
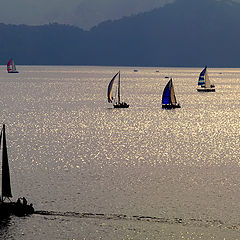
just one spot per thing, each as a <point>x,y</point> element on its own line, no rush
<point>14,208</point>
<point>121,105</point>
<point>206,89</point>
<point>13,72</point>
<point>171,106</point>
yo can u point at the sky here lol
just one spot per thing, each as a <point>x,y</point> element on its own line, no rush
<point>81,13</point>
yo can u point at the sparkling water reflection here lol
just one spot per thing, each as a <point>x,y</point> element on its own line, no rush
<point>70,151</point>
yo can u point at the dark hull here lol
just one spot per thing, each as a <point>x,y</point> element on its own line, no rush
<point>206,89</point>
<point>13,72</point>
<point>13,208</point>
<point>170,106</point>
<point>120,105</point>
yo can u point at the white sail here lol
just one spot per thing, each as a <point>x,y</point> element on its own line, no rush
<point>110,86</point>
<point>13,66</point>
<point>207,81</point>
<point>172,94</point>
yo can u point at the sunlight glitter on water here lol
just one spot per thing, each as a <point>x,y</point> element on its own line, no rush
<point>79,154</point>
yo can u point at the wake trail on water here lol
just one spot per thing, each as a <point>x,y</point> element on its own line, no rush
<point>138,218</point>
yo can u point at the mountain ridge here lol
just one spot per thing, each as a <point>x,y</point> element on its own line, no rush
<point>184,33</point>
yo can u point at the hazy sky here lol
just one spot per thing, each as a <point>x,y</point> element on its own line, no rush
<point>82,13</point>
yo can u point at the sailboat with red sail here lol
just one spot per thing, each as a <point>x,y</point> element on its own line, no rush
<point>11,67</point>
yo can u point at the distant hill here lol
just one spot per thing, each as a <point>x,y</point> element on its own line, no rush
<point>47,44</point>
<point>185,33</point>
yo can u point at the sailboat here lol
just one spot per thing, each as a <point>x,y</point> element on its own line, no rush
<point>168,98</point>
<point>118,103</point>
<point>7,207</point>
<point>204,84</point>
<point>11,67</point>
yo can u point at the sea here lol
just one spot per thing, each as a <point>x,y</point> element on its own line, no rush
<point>95,172</point>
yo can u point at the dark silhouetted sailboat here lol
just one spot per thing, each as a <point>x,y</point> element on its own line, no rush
<point>11,67</point>
<point>118,103</point>
<point>204,84</point>
<point>7,207</point>
<point>168,98</point>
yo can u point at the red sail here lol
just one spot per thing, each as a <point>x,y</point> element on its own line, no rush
<point>9,65</point>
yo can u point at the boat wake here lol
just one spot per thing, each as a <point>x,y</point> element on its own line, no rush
<point>161,220</point>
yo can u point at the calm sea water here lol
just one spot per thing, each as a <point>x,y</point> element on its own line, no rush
<point>137,173</point>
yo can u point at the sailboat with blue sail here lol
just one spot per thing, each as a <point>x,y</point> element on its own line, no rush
<point>116,102</point>
<point>169,100</point>
<point>204,84</point>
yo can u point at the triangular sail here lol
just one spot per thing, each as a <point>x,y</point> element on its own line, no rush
<point>6,184</point>
<point>172,95</point>
<point>207,81</point>
<point>203,79</point>
<point>166,93</point>
<point>9,65</point>
<point>13,66</point>
<point>110,86</point>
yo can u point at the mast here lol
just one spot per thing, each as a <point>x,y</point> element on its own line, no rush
<point>6,184</point>
<point>119,87</point>
<point>1,198</point>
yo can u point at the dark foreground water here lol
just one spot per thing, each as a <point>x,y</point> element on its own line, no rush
<point>93,172</point>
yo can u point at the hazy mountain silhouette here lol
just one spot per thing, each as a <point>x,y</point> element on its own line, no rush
<point>185,33</point>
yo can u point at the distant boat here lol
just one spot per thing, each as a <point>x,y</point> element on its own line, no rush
<point>168,98</point>
<point>11,68</point>
<point>118,103</point>
<point>135,70</point>
<point>7,207</point>
<point>204,84</point>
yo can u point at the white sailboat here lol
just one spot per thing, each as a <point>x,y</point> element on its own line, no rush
<point>204,84</point>
<point>118,103</point>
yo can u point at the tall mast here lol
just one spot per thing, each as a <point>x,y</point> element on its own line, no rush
<point>119,87</point>
<point>6,185</point>
<point>1,198</point>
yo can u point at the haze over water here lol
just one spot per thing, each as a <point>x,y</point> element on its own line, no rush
<point>136,173</point>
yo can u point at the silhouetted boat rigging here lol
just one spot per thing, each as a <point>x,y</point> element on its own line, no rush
<point>204,84</point>
<point>11,67</point>
<point>118,103</point>
<point>168,98</point>
<point>7,207</point>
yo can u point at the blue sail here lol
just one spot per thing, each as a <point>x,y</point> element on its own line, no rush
<point>201,79</point>
<point>166,93</point>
